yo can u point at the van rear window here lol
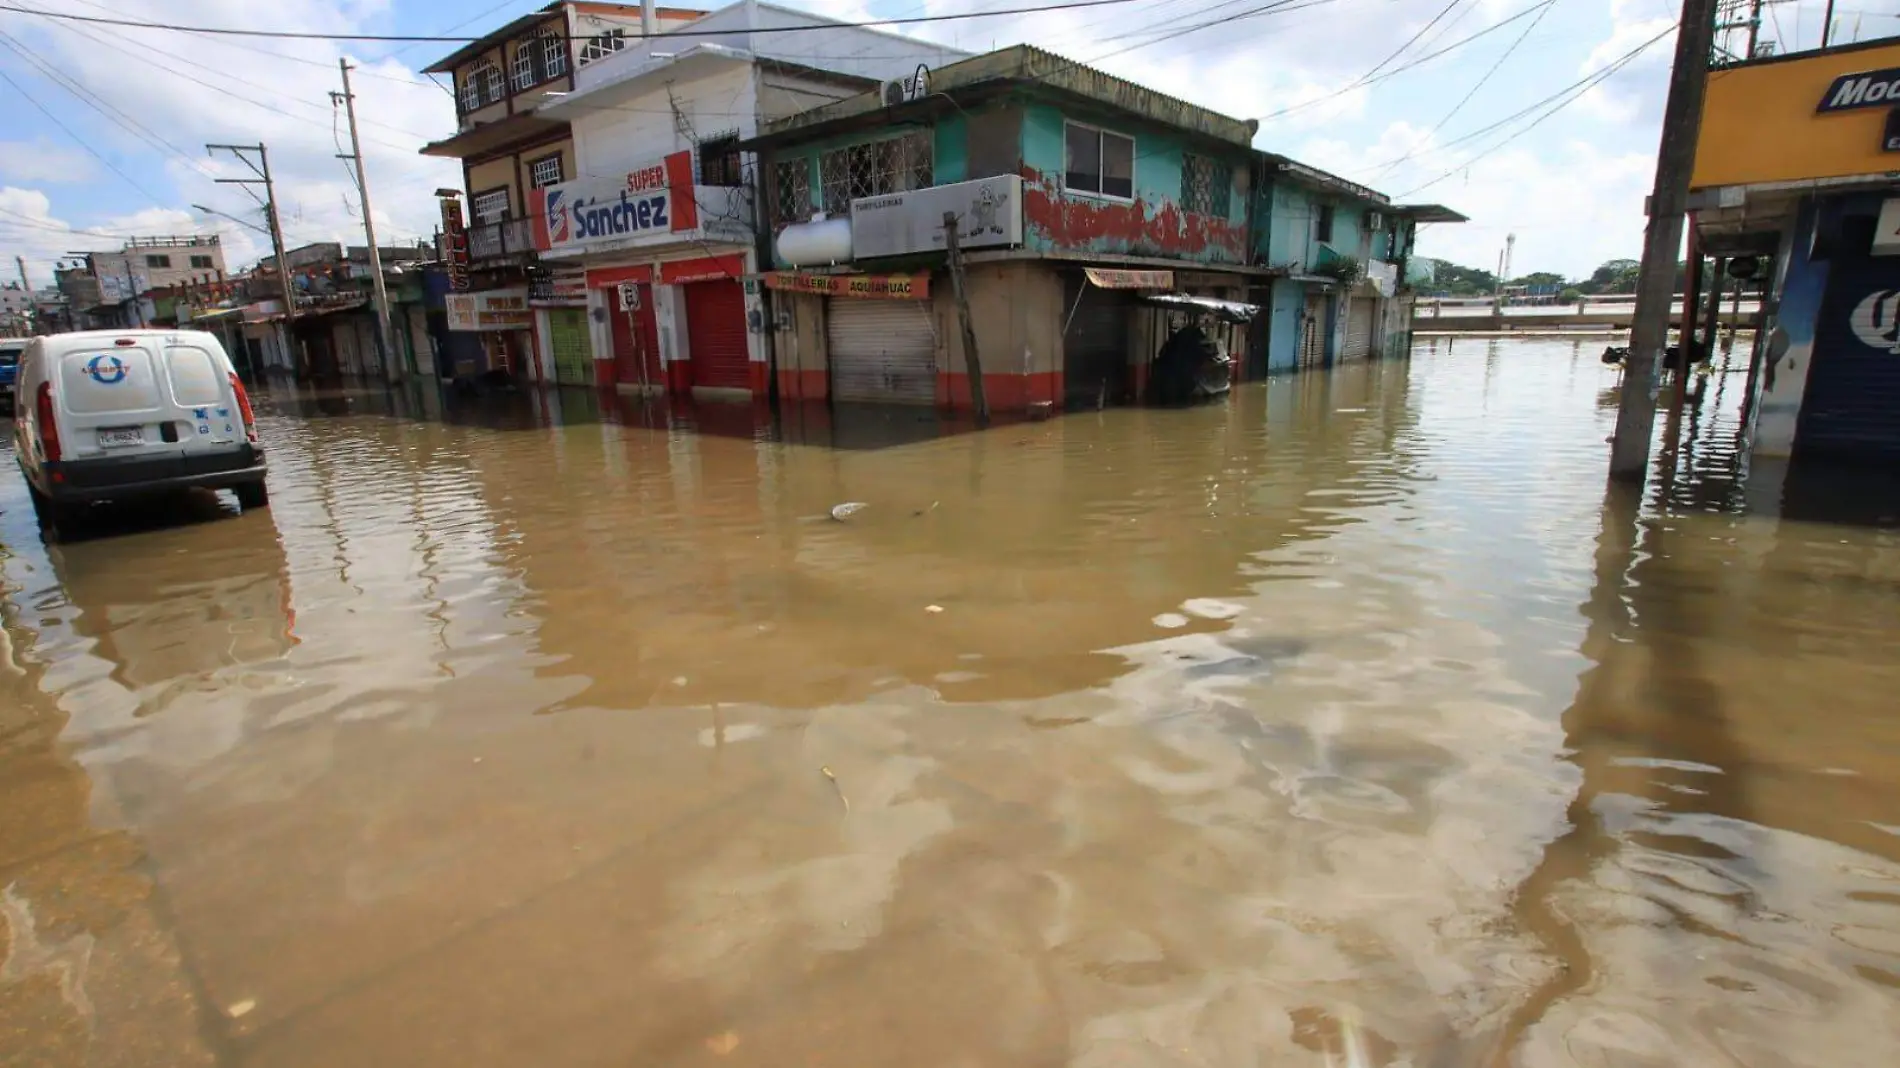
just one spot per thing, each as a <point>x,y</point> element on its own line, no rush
<point>194,377</point>
<point>10,354</point>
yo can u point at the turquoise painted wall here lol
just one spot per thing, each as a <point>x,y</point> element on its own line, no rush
<point>952,150</point>
<point>1287,237</point>
<point>1157,181</point>
<point>1283,333</point>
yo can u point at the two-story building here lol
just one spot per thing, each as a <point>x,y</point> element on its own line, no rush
<point>125,280</point>
<point>508,149</point>
<point>1073,192</point>
<point>1339,253</point>
<point>660,220</point>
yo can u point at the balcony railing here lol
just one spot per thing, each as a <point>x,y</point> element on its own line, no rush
<point>494,241</point>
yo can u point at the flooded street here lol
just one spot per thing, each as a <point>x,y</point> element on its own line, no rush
<point>1145,737</point>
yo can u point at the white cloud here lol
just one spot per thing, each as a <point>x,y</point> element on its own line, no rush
<point>42,160</point>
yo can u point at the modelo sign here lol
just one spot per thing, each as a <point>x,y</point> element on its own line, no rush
<point>1867,89</point>
<point>589,214</point>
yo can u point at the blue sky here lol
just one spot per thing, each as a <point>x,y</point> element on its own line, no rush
<point>1570,187</point>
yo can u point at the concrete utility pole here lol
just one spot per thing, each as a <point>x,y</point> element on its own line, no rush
<point>390,365</point>
<point>972,366</point>
<point>261,168</point>
<point>1675,158</point>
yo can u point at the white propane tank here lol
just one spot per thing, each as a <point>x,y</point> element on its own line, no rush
<point>817,243</point>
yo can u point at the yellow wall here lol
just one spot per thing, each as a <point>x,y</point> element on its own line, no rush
<point>485,176</point>
<point>1759,122</point>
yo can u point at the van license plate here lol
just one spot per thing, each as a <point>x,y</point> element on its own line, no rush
<point>121,436</point>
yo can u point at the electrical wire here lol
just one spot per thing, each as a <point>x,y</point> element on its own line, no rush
<point>103,107</point>
<point>1408,65</point>
<point>76,139</point>
<point>1576,90</point>
<point>1473,91</point>
<point>230,31</point>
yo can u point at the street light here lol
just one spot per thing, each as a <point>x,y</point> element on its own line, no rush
<point>200,208</point>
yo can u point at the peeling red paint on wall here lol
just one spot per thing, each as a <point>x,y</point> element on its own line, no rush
<point>1134,228</point>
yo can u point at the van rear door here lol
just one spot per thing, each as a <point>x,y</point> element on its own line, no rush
<point>113,399</point>
<point>200,380</point>
<point>145,397</point>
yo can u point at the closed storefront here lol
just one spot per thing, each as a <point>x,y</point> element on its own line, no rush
<point>415,322</point>
<point>1851,409</point>
<point>881,350</point>
<point>1360,317</point>
<point>568,345</point>
<point>1095,346</point>
<point>716,334</point>
<point>1313,332</point>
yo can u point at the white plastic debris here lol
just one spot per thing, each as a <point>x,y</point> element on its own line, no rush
<point>842,512</point>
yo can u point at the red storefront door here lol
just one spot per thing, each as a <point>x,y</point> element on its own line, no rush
<point>716,334</point>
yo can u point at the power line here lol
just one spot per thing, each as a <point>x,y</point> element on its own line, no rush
<point>1408,65</point>
<point>76,139</point>
<point>1400,50</point>
<point>1580,88</point>
<point>103,107</point>
<point>230,31</point>
<point>1473,91</point>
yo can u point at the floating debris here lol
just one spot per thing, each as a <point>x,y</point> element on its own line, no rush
<point>240,1008</point>
<point>933,609</point>
<point>842,512</point>
<point>722,1044</point>
<point>835,786</point>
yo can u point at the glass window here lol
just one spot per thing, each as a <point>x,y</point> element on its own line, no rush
<point>482,86</point>
<point>602,46</point>
<point>203,262</point>
<point>523,69</point>
<point>553,54</point>
<point>158,261</point>
<point>719,161</point>
<point>1099,162</point>
<point>545,171</point>
<point>1323,223</point>
<point>892,165</point>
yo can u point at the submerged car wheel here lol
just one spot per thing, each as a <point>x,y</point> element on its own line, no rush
<point>57,521</point>
<point>253,495</point>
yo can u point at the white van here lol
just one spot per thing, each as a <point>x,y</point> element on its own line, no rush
<point>116,414</point>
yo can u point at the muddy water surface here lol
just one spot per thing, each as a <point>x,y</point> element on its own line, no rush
<point>526,734</point>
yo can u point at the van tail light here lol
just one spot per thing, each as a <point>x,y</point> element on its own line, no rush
<point>244,409</point>
<point>47,425</point>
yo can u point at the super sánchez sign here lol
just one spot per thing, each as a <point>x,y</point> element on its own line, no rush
<point>647,207</point>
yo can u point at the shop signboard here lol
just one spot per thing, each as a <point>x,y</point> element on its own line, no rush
<point>648,205</point>
<point>990,211</point>
<point>873,286</point>
<point>454,244</point>
<point>490,309</point>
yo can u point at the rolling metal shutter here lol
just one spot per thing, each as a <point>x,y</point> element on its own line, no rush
<point>572,349</point>
<point>1851,408</point>
<point>716,334</point>
<point>1313,332</point>
<point>1358,343</point>
<point>881,350</point>
<point>1095,346</point>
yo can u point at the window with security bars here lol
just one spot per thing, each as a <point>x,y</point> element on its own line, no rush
<point>892,165</point>
<point>792,181</point>
<point>489,207</point>
<point>719,161</point>
<point>602,46</point>
<point>553,54</point>
<point>1206,185</point>
<point>545,171</point>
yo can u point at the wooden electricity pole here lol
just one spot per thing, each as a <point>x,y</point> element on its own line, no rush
<point>971,365</point>
<point>392,366</point>
<point>1675,159</point>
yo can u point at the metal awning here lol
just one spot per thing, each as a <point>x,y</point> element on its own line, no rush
<point>1231,311</point>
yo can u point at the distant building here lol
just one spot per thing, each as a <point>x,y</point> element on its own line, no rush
<point>122,282</point>
<point>16,310</point>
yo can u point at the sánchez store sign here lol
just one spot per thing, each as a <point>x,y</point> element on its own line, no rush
<point>872,286</point>
<point>648,205</point>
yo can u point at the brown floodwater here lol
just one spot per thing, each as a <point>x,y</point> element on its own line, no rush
<point>523,732</point>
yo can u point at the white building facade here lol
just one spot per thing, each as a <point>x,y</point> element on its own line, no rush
<point>661,221</point>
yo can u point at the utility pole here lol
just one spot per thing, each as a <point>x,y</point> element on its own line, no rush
<point>1754,26</point>
<point>261,168</point>
<point>1662,240</point>
<point>972,366</point>
<point>1827,24</point>
<point>348,99</point>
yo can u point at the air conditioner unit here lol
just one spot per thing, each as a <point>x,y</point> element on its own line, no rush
<point>894,92</point>
<point>1375,220</point>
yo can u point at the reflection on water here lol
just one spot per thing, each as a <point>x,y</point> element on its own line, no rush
<point>548,729</point>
